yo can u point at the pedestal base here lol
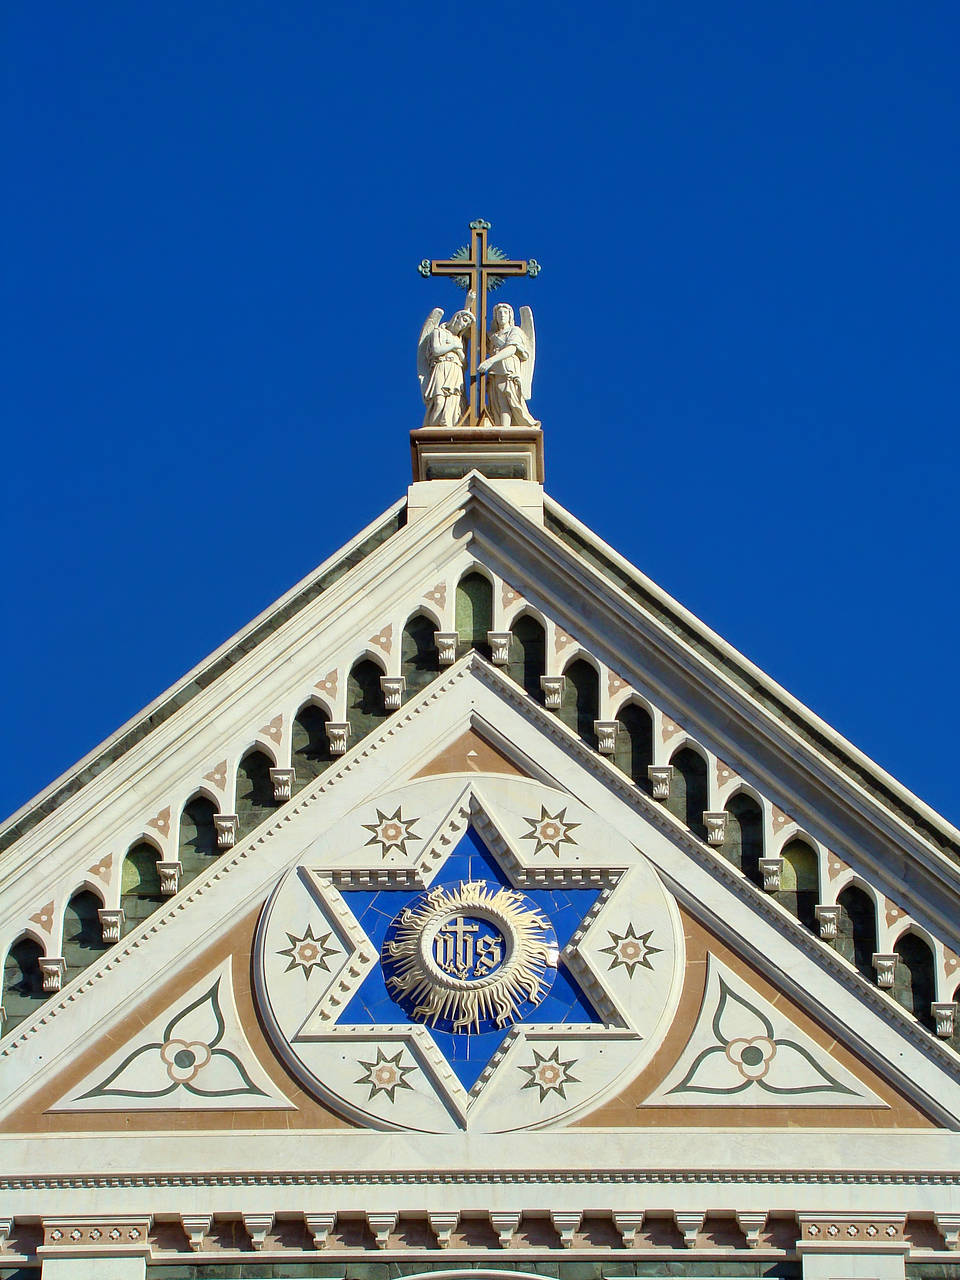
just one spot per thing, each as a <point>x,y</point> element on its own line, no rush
<point>499,453</point>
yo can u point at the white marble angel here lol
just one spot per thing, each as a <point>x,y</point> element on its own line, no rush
<point>513,352</point>
<point>440,364</point>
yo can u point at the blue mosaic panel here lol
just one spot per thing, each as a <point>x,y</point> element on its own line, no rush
<point>468,1053</point>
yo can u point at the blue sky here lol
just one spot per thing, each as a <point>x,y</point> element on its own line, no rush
<point>746,215</point>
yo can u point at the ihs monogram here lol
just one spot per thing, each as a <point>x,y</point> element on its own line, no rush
<point>550,831</point>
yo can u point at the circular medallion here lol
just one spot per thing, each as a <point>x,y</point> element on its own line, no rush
<point>469,957</point>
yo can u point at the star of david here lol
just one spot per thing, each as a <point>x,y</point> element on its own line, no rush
<point>468,1049</point>
<point>386,1075</point>
<point>549,1074</point>
<point>550,831</point>
<point>391,831</point>
<point>308,952</point>
<point>630,949</point>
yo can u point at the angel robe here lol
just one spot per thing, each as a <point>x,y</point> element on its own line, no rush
<point>445,353</point>
<point>504,393</point>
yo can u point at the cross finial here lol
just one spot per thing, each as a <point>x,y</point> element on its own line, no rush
<point>479,270</point>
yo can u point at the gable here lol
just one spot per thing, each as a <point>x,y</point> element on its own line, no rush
<point>825,1009</point>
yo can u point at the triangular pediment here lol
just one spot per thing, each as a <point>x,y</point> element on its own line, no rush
<point>666,916</point>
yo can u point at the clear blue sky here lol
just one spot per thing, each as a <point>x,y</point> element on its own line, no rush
<point>747,323</point>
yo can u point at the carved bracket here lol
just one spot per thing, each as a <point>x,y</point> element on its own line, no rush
<point>565,1224</point>
<point>829,918</point>
<point>228,826</point>
<point>53,968</point>
<point>944,1015</point>
<point>499,642</point>
<point>111,924</point>
<point>197,1226</point>
<point>552,687</point>
<point>320,1225</point>
<point>443,1225</point>
<point>504,1224</point>
<point>661,776</point>
<point>885,965</point>
<point>606,731</point>
<point>716,824</point>
<point>751,1224</point>
<point>446,642</point>
<point>282,780</point>
<point>393,688</point>
<point>338,735</point>
<point>257,1225</point>
<point>690,1225</point>
<point>382,1224</point>
<point>772,871</point>
<point>169,877</point>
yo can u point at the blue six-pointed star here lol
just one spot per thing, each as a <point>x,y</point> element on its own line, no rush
<point>468,1052</point>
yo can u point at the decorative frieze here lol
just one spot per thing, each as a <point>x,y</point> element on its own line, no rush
<point>661,777</point>
<point>196,1227</point>
<point>282,780</point>
<point>499,642</point>
<point>257,1226</point>
<point>751,1224</point>
<point>169,877</point>
<point>443,1224</point>
<point>716,825</point>
<point>854,1230</point>
<point>772,871</point>
<point>52,968</point>
<point>690,1226</point>
<point>829,920</point>
<point>606,731</point>
<point>338,735</point>
<point>320,1225</point>
<point>505,1225</point>
<point>446,642</point>
<point>111,924</point>
<point>565,1224</point>
<point>79,1236</point>
<point>227,827</point>
<point>393,688</point>
<point>885,965</point>
<point>944,1015</point>
<point>381,1226</point>
<point>552,687</point>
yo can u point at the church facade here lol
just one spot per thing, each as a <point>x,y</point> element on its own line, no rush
<point>477,911</point>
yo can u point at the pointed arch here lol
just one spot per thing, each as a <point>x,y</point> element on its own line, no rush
<point>914,982</point>
<point>365,709</point>
<point>419,657</point>
<point>254,791</point>
<point>800,882</point>
<point>474,613</point>
<point>743,837</point>
<point>633,752</point>
<point>688,789</point>
<point>22,982</point>
<point>580,702</point>
<point>857,928</point>
<point>527,659</point>
<point>310,745</point>
<point>198,837</point>
<point>82,933</point>
<point>139,884</point>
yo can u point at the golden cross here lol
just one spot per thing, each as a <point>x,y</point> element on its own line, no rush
<point>483,268</point>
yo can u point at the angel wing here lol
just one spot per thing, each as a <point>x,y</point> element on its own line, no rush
<point>526,366</point>
<point>423,361</point>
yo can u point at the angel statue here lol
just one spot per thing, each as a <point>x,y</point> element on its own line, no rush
<point>440,362</point>
<point>513,351</point>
